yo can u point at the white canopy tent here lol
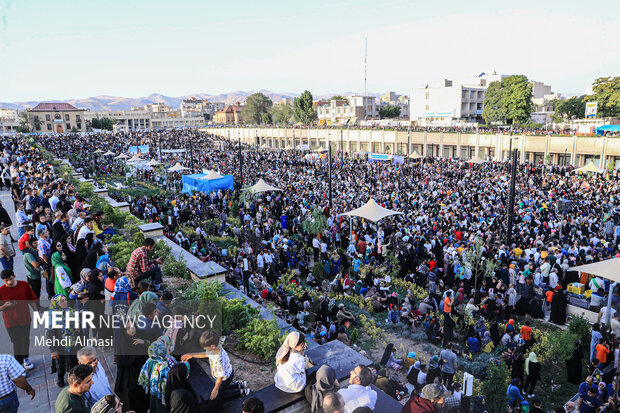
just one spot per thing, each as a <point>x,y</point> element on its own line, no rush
<point>212,175</point>
<point>177,168</point>
<point>98,151</point>
<point>415,155</point>
<point>608,269</point>
<point>134,158</point>
<point>262,186</point>
<point>289,148</point>
<point>320,149</point>
<point>476,160</point>
<point>371,211</point>
<point>109,153</point>
<point>589,167</point>
<point>153,162</point>
<point>121,156</point>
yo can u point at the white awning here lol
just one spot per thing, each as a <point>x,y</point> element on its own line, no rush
<point>262,186</point>
<point>589,167</point>
<point>177,168</point>
<point>609,269</point>
<point>372,211</point>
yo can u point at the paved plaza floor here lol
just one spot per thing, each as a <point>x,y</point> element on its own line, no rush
<point>41,378</point>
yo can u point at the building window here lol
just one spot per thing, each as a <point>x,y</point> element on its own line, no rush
<point>48,117</point>
<point>66,117</point>
<point>36,118</point>
<point>49,126</point>
<point>68,127</point>
<point>77,118</point>
<point>38,127</point>
<point>79,125</point>
<point>426,107</point>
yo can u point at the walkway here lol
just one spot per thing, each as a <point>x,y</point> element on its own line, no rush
<point>41,379</point>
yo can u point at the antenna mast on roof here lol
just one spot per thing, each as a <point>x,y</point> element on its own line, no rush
<point>365,63</point>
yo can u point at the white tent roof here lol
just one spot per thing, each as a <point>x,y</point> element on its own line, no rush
<point>262,186</point>
<point>589,167</point>
<point>372,211</point>
<point>108,153</point>
<point>177,168</point>
<point>121,156</point>
<point>415,155</point>
<point>289,148</point>
<point>265,146</point>
<point>98,151</point>
<point>212,175</point>
<point>477,160</point>
<point>320,149</point>
<point>152,162</point>
<point>134,158</point>
<point>609,269</point>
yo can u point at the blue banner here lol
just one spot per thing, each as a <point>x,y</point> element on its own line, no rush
<point>283,221</point>
<point>139,149</point>
<point>194,183</point>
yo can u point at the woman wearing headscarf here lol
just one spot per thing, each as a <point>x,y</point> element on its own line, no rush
<point>326,382</point>
<point>573,364</point>
<point>434,370</point>
<point>136,307</point>
<point>290,364</point>
<point>514,393</point>
<point>486,344</point>
<point>130,355</point>
<point>532,370</point>
<point>154,373</point>
<point>471,308</point>
<point>177,381</point>
<point>123,296</point>
<point>182,401</point>
<point>558,308</point>
<point>63,357</point>
<point>63,277</point>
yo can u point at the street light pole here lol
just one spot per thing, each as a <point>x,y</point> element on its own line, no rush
<point>511,199</point>
<point>329,170</point>
<point>240,166</point>
<point>341,145</point>
<point>191,152</point>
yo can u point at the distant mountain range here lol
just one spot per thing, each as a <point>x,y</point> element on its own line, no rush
<point>105,102</point>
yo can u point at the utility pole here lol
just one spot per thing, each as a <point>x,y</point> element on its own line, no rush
<point>329,171</point>
<point>341,145</point>
<point>240,166</point>
<point>191,152</point>
<point>511,199</point>
<point>159,145</point>
<point>408,140</point>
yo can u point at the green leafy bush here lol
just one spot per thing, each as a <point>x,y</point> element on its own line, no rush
<point>261,337</point>
<point>236,314</point>
<point>494,388</point>
<point>580,327</point>
<point>203,290</point>
<point>318,272</point>
<point>120,250</point>
<point>175,267</point>
<point>355,336</point>
<point>225,242</point>
<point>86,190</point>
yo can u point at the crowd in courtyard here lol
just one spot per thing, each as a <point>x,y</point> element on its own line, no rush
<point>471,291</point>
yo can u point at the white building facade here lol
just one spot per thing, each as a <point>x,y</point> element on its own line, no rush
<point>447,105</point>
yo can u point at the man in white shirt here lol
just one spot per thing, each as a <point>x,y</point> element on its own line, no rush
<point>359,392</point>
<point>86,229</point>
<point>101,386</point>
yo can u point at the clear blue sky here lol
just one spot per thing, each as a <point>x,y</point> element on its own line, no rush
<point>80,48</point>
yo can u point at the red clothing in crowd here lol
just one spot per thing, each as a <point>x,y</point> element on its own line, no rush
<point>19,314</point>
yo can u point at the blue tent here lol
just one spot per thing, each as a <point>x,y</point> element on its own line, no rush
<point>607,128</point>
<point>194,183</point>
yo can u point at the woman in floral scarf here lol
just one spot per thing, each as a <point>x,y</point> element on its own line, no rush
<point>63,339</point>
<point>154,373</point>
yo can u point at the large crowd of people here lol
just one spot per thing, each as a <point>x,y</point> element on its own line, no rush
<point>449,242</point>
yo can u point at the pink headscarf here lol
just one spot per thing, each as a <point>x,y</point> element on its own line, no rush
<point>290,342</point>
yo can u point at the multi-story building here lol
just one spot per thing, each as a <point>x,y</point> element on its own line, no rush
<point>229,115</point>
<point>57,118</point>
<point>447,105</point>
<point>347,112</point>
<point>136,120</point>
<point>194,107</point>
<point>9,120</point>
<point>542,100</point>
<point>394,99</point>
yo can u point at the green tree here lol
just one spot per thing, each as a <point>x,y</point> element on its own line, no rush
<point>206,116</point>
<point>494,388</point>
<point>389,111</point>
<point>508,101</point>
<point>338,97</point>
<point>267,118</point>
<point>36,124</point>
<point>107,123</point>
<point>282,113</point>
<point>256,106</point>
<point>572,108</point>
<point>24,122</point>
<point>607,94</point>
<point>303,110</point>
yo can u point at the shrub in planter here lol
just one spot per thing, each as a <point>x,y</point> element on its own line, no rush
<point>261,337</point>
<point>235,314</point>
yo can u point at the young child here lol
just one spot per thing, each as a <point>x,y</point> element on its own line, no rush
<point>221,369</point>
